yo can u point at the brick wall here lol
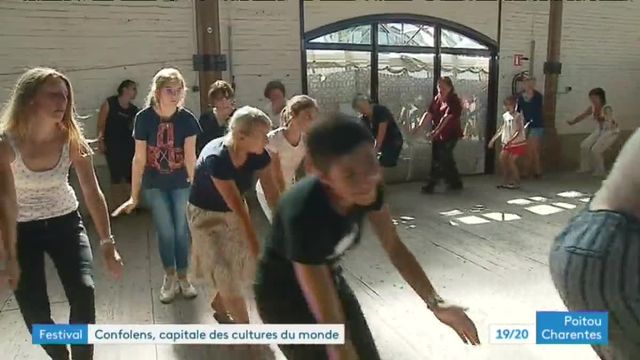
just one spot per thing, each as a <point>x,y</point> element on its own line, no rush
<point>97,44</point>
<point>265,45</point>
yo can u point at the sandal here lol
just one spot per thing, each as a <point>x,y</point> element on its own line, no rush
<point>512,187</point>
<point>223,318</point>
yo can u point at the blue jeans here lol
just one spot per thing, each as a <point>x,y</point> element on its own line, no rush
<point>169,212</point>
<point>594,265</point>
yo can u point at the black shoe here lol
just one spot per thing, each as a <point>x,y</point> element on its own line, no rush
<point>428,189</point>
<point>456,187</point>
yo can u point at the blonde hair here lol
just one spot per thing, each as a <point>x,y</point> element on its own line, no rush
<point>245,119</point>
<point>295,106</point>
<point>14,119</point>
<point>161,79</point>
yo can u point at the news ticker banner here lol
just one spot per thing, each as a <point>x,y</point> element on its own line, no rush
<point>555,327</point>
<point>188,334</point>
<point>551,327</point>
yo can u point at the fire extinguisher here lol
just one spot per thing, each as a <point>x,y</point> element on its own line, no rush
<point>518,80</point>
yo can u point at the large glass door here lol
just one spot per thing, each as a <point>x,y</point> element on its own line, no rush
<point>396,61</point>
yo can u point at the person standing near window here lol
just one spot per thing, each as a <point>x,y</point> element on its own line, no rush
<point>379,120</point>
<point>444,113</point>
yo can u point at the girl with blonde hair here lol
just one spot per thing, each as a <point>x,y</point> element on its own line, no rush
<point>163,166</point>
<point>41,140</point>
<point>225,244</point>
<point>286,145</point>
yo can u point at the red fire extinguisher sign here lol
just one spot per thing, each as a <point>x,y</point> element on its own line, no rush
<point>517,59</point>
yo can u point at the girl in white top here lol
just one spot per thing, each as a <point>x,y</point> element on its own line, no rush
<point>603,136</point>
<point>41,140</point>
<point>286,145</point>
<point>514,143</point>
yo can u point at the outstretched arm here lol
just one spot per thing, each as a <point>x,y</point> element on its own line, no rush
<point>582,116</point>
<point>403,260</point>
<point>83,165</point>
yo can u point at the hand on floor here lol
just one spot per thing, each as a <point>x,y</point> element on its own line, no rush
<point>9,272</point>
<point>126,208</point>
<point>113,261</point>
<point>455,317</point>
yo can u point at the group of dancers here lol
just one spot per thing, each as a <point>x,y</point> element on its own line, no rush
<point>194,175</point>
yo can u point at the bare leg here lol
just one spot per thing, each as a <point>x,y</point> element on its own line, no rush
<point>504,164</point>
<point>534,149</point>
<point>515,177</point>
<point>237,307</point>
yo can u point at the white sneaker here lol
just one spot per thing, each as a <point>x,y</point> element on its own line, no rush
<point>187,289</point>
<point>169,289</point>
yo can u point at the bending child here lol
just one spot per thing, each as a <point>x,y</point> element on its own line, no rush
<point>299,280</point>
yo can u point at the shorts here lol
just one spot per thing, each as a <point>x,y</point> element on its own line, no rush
<point>219,252</point>
<point>595,266</point>
<point>389,154</point>
<point>517,150</point>
<point>536,132</point>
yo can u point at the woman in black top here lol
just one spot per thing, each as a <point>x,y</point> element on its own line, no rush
<point>315,223</point>
<point>213,124</point>
<point>379,120</point>
<point>115,126</point>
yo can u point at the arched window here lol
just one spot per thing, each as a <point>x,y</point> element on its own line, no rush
<point>396,59</point>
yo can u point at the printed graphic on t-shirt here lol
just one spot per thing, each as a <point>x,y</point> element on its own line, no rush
<point>165,157</point>
<point>345,243</point>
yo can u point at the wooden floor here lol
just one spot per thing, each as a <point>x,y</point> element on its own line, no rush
<point>498,269</point>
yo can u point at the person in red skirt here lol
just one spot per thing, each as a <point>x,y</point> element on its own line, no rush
<point>514,144</point>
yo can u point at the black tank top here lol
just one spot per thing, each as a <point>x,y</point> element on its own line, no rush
<point>119,127</point>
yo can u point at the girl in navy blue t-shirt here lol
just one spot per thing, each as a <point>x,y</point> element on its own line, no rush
<point>225,244</point>
<point>163,167</point>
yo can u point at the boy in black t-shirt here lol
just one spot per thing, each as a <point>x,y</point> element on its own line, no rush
<point>298,279</point>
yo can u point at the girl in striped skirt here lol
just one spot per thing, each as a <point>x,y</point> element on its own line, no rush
<point>595,261</point>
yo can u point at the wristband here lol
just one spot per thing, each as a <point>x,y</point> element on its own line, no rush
<point>434,302</point>
<point>109,240</point>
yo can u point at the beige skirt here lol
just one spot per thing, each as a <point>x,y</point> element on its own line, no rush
<point>220,252</point>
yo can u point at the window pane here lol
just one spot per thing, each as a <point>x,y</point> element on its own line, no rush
<point>470,77</point>
<point>334,77</point>
<point>406,88</point>
<point>405,34</point>
<point>452,39</point>
<point>355,35</point>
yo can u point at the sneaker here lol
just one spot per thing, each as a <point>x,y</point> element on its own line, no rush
<point>428,188</point>
<point>169,289</point>
<point>187,289</point>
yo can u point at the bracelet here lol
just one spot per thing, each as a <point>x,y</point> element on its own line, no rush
<point>434,302</point>
<point>109,240</point>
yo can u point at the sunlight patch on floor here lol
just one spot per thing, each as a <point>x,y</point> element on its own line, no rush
<point>472,220</point>
<point>544,209</point>
<point>499,216</point>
